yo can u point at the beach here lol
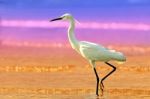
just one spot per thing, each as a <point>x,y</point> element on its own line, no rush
<point>27,73</point>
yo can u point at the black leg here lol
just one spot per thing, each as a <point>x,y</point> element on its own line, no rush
<point>97,78</point>
<point>114,68</point>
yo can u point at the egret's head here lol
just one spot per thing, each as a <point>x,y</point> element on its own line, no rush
<point>66,16</point>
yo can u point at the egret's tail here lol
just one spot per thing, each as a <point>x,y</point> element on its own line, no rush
<point>118,56</point>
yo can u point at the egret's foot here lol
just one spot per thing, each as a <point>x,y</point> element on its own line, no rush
<point>101,84</point>
<point>97,94</point>
<point>101,88</point>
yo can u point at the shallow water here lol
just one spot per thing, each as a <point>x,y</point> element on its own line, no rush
<point>41,77</point>
<point>69,97</point>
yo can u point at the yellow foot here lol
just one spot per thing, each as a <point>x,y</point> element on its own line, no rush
<point>101,90</point>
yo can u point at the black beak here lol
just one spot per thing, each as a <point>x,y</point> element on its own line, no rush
<point>56,19</point>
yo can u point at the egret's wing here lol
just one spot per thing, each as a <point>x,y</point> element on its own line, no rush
<point>92,51</point>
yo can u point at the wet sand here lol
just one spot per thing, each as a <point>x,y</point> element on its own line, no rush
<point>44,76</point>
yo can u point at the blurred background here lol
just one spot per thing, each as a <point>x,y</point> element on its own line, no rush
<point>32,47</point>
<point>115,22</point>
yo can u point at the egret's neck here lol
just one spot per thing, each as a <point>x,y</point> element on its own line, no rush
<point>73,41</point>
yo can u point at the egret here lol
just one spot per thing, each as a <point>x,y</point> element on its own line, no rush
<point>91,51</point>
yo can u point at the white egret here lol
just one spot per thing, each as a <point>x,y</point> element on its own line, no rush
<point>91,51</point>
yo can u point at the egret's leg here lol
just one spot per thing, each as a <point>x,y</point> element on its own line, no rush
<point>114,68</point>
<point>97,78</point>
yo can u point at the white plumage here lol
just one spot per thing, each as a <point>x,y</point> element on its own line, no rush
<point>91,51</point>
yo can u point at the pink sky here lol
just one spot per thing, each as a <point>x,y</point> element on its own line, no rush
<point>82,25</point>
<point>37,31</point>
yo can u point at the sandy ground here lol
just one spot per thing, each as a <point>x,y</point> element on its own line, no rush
<point>44,76</point>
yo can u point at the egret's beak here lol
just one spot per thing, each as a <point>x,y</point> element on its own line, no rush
<point>56,19</point>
